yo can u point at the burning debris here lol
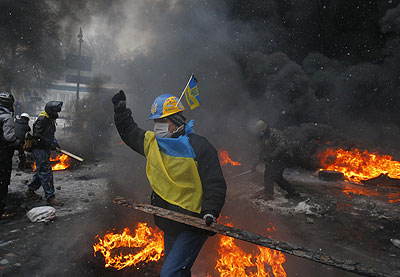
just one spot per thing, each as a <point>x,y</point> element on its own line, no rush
<point>234,261</point>
<point>60,162</point>
<point>225,159</point>
<point>277,258</point>
<point>147,246</point>
<point>357,165</point>
<point>363,167</point>
<point>123,250</point>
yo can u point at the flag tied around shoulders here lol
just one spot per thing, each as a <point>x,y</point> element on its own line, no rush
<point>192,93</point>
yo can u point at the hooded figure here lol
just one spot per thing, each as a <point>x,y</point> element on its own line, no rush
<point>8,143</point>
<point>44,130</point>
<point>184,172</point>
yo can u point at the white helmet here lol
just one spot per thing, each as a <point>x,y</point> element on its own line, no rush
<point>24,115</point>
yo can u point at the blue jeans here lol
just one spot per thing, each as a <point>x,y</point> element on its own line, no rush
<point>43,175</point>
<point>181,251</point>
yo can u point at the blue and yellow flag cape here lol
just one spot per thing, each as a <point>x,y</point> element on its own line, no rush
<point>192,93</point>
<point>172,170</point>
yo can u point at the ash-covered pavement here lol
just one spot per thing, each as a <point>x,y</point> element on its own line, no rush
<point>40,249</point>
<point>324,218</point>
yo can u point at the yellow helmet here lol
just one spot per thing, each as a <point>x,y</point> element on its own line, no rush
<point>165,105</point>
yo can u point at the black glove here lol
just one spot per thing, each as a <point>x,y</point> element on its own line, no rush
<point>119,101</point>
<point>53,146</point>
<point>209,218</point>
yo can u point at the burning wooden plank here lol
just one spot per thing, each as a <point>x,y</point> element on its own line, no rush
<point>343,264</point>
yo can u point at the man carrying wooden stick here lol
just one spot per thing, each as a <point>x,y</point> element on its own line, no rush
<point>184,172</point>
<point>44,130</point>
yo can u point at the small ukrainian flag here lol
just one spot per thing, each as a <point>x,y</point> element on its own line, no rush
<point>192,93</point>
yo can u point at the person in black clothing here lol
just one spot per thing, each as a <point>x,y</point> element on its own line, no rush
<point>21,128</point>
<point>44,130</point>
<point>8,143</point>
<point>184,172</point>
<point>275,149</point>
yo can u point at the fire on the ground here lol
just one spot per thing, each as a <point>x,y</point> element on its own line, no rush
<point>147,245</point>
<point>224,158</point>
<point>60,162</point>
<point>358,166</point>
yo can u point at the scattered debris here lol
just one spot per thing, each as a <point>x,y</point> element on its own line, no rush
<point>382,180</point>
<point>330,175</point>
<point>396,242</point>
<point>6,243</point>
<point>41,214</point>
<point>308,209</point>
<point>4,262</point>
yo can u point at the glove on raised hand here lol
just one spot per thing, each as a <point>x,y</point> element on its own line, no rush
<point>119,101</point>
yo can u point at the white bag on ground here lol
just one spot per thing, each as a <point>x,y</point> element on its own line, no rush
<point>41,214</point>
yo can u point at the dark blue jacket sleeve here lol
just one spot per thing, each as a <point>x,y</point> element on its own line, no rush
<point>129,131</point>
<point>212,179</point>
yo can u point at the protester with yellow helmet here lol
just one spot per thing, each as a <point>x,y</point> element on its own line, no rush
<point>184,172</point>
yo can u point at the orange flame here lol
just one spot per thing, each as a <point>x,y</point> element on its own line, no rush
<point>63,163</point>
<point>149,243</point>
<point>358,166</point>
<point>224,158</point>
<point>234,261</point>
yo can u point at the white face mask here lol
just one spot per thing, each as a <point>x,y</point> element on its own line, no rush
<point>161,130</point>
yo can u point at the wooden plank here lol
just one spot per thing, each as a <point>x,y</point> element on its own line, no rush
<point>298,251</point>
<point>71,155</point>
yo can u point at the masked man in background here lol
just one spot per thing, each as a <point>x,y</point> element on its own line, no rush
<point>184,172</point>
<point>44,130</point>
<point>276,152</point>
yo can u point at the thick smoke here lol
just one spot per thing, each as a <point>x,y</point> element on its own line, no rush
<point>325,71</point>
<point>332,63</point>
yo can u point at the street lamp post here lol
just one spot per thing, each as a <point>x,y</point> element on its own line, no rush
<point>80,36</point>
